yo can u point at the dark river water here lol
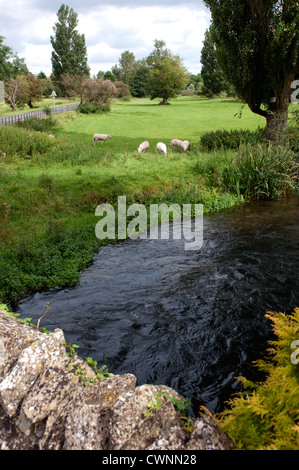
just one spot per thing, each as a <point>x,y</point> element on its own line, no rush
<point>192,320</point>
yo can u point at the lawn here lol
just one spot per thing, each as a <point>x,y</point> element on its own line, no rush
<point>185,118</point>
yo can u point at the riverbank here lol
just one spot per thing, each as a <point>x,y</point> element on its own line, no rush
<point>50,187</point>
<point>52,178</point>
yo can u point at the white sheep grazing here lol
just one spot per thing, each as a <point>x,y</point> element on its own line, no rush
<point>161,148</point>
<point>102,137</point>
<point>144,146</point>
<point>175,142</point>
<point>185,145</point>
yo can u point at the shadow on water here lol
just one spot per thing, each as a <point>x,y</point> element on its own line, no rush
<point>192,320</point>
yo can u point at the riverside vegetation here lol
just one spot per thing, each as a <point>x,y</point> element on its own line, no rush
<point>50,187</point>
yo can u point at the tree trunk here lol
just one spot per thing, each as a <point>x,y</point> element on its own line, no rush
<point>276,125</point>
<point>164,102</point>
<point>277,114</point>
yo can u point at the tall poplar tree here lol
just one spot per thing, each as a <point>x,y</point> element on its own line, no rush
<point>69,55</point>
<point>257,50</point>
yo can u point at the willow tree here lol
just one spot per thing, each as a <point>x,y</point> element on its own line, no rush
<point>69,55</point>
<point>257,50</point>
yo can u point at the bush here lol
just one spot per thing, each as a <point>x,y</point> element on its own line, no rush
<point>231,139</point>
<point>98,92</point>
<point>93,108</point>
<point>47,110</point>
<point>261,172</point>
<point>123,91</point>
<point>38,124</point>
<point>265,416</point>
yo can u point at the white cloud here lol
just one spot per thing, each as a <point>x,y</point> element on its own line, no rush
<point>109,30</point>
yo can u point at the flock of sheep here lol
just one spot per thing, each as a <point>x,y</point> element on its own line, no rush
<point>161,147</point>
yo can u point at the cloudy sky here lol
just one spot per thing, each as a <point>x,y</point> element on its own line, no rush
<point>110,27</point>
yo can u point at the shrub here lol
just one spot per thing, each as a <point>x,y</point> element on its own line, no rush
<point>231,139</point>
<point>93,108</point>
<point>47,110</point>
<point>123,91</point>
<point>261,172</point>
<point>38,124</point>
<point>99,92</point>
<point>266,416</point>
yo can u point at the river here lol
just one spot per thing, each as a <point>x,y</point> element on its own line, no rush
<point>192,320</point>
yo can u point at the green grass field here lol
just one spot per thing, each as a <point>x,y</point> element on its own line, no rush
<point>82,174</point>
<point>185,118</point>
<point>50,188</point>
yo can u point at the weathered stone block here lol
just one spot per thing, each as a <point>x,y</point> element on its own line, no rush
<point>14,338</point>
<point>43,353</point>
<point>45,405</point>
<point>135,425</point>
<point>208,436</point>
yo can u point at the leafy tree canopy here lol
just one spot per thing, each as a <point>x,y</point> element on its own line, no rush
<point>168,76</point>
<point>11,64</point>
<point>257,49</point>
<point>211,73</point>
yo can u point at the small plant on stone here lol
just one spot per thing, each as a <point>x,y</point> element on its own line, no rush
<point>181,405</point>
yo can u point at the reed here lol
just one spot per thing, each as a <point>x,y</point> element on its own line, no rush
<point>261,172</point>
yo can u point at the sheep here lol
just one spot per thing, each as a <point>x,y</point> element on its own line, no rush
<point>102,137</point>
<point>185,145</point>
<point>182,144</point>
<point>175,142</point>
<point>144,146</point>
<point>161,148</point>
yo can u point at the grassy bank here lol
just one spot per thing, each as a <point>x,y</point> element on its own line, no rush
<point>50,187</point>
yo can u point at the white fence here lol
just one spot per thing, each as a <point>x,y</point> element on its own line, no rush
<point>14,119</point>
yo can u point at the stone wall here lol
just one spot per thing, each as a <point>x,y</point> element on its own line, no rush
<point>44,404</point>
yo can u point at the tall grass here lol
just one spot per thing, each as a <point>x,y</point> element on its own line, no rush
<point>231,139</point>
<point>261,172</point>
<point>47,124</point>
<point>23,142</point>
